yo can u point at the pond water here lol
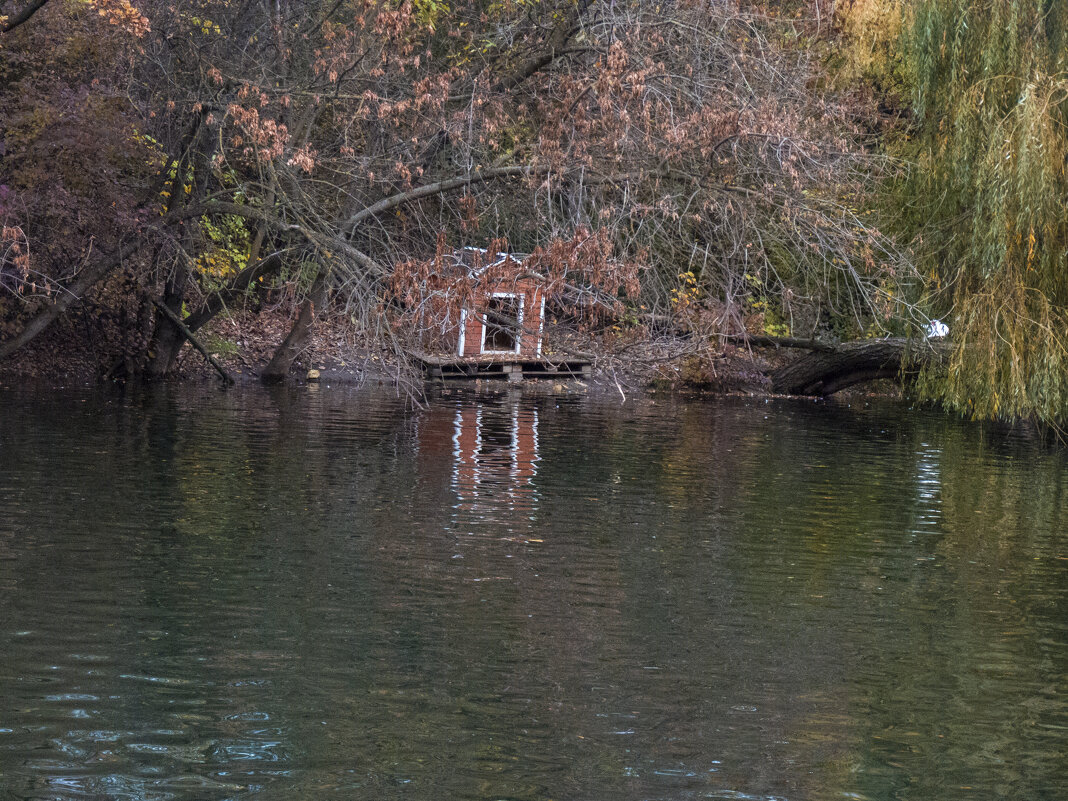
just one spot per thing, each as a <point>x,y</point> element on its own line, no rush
<point>315,593</point>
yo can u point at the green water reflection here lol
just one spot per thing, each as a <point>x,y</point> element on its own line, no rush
<point>321,594</point>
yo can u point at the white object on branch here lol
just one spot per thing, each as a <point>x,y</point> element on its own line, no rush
<point>936,329</point>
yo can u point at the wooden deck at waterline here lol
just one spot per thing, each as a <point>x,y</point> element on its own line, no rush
<point>507,368</point>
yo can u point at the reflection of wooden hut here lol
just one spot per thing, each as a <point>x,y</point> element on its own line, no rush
<point>491,453</point>
<point>481,460</point>
<point>494,448</point>
<point>497,332</point>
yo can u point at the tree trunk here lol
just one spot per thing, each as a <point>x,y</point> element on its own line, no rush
<point>21,17</point>
<point>167,339</point>
<point>297,338</point>
<point>828,371</point>
<point>196,343</point>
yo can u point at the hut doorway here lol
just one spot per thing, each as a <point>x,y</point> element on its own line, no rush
<point>503,323</point>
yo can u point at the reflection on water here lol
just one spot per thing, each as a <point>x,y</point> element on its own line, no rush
<point>322,595</point>
<point>495,461</point>
<point>928,486</point>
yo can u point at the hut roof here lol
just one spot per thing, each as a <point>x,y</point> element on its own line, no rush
<point>467,258</point>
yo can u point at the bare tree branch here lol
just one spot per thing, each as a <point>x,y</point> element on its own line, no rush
<point>479,176</point>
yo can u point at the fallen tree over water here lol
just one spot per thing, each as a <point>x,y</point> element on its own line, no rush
<point>827,369</point>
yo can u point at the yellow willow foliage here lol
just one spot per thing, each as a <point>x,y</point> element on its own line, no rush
<point>867,49</point>
<point>988,198</point>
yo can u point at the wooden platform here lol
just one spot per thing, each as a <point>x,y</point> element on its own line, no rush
<point>437,367</point>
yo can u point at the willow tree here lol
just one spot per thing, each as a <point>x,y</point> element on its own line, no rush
<point>990,79</point>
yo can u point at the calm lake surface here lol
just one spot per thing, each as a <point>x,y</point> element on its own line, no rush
<point>316,593</point>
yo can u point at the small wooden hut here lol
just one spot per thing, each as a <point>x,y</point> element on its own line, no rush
<point>495,330</point>
<point>507,318</point>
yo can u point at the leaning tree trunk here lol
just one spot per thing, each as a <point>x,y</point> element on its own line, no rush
<point>297,338</point>
<point>827,371</point>
<point>167,339</point>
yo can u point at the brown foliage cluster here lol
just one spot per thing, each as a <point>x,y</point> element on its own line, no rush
<point>123,15</point>
<point>580,276</point>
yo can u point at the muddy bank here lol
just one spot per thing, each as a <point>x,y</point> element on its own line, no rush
<point>336,353</point>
